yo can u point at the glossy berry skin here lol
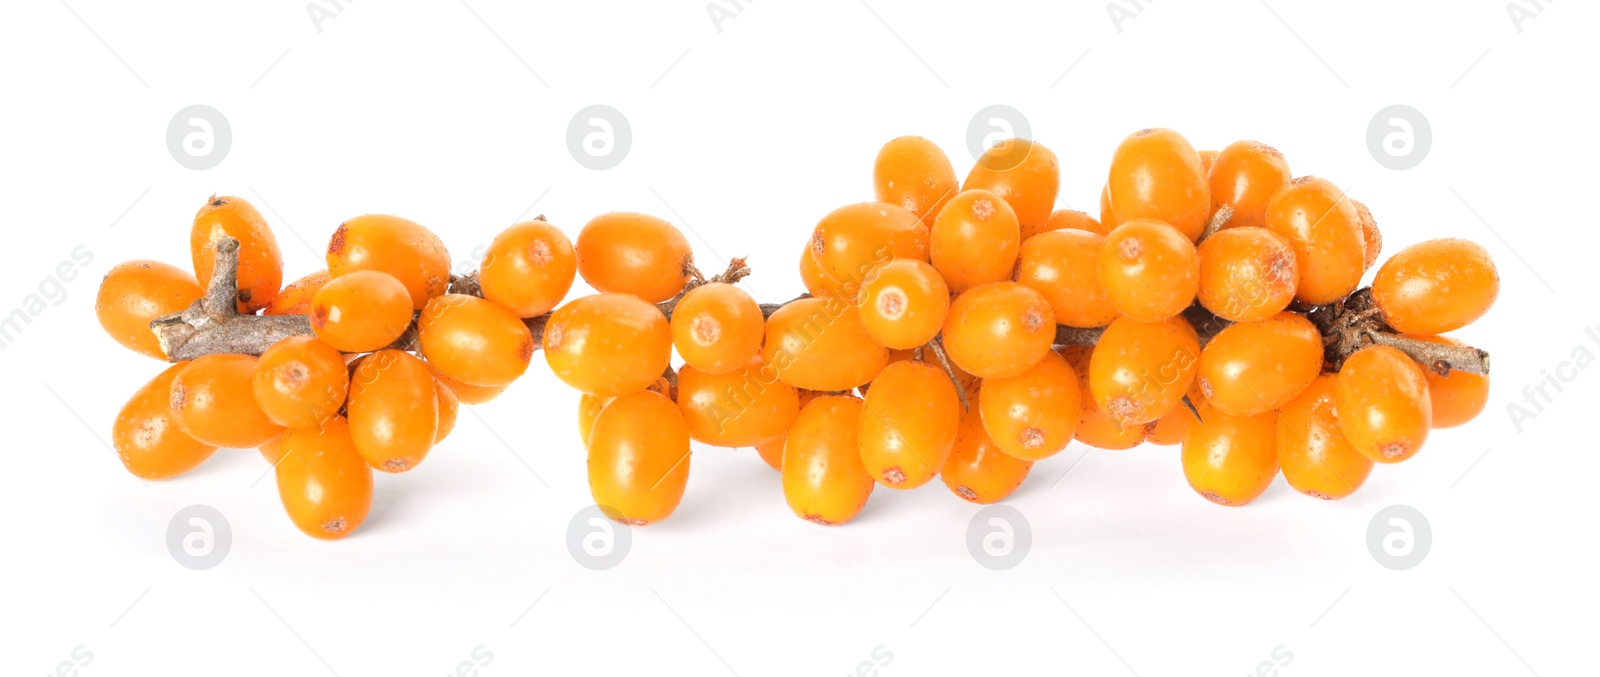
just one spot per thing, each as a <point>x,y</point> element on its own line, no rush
<point>974,240</point>
<point>1252,367</point>
<point>632,253</point>
<point>639,458</point>
<point>466,392</point>
<point>449,407</point>
<point>1156,174</point>
<point>1097,428</point>
<point>393,411</point>
<point>300,382</point>
<point>295,297</point>
<point>1108,215</point>
<point>1383,404</point>
<point>148,440</point>
<point>389,244</point>
<point>908,424</point>
<point>1244,177</point>
<point>361,311</point>
<point>475,341</point>
<point>1063,266</point>
<point>213,399</point>
<point>260,262</point>
<point>741,408</point>
<point>771,451</point>
<point>1325,231</point>
<point>977,470</point>
<point>1173,426</point>
<point>818,283</point>
<point>999,329</point>
<point>903,304</point>
<point>1148,270</point>
<point>1032,415</point>
<point>824,480</point>
<point>1436,286</point>
<point>852,240</point>
<point>1370,235</point>
<point>1141,370</point>
<point>821,344</point>
<point>1247,274</point>
<point>324,485</point>
<point>608,344</point>
<point>1458,397</point>
<point>528,268</point>
<point>1316,458</point>
<point>1068,219</point>
<point>914,173</point>
<point>717,327</point>
<point>135,292</point>
<point>1230,460</point>
<point>589,408</point>
<point>1023,173</point>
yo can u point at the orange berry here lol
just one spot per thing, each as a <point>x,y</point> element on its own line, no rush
<point>135,292</point>
<point>1108,216</point>
<point>528,268</point>
<point>1170,429</point>
<point>325,486</point>
<point>908,423</point>
<point>466,392</point>
<point>295,297</point>
<point>1317,460</point>
<point>821,344</point>
<point>977,470</point>
<point>639,458</point>
<point>1156,174</point>
<point>608,344</point>
<point>1096,428</point>
<point>632,253</point>
<point>818,283</point>
<point>741,408</point>
<point>474,340</point>
<point>1457,397</point>
<point>1245,177</point>
<point>1230,460</point>
<point>1023,173</point>
<point>389,244</point>
<point>903,304</point>
<point>1148,270</point>
<point>824,480</point>
<point>1067,219</point>
<point>213,399</point>
<point>1322,226</point>
<point>1247,274</point>
<point>974,240</point>
<point>1370,234</point>
<point>717,327</point>
<point>300,381</point>
<point>1383,404</point>
<point>1251,367</point>
<point>260,262</point>
<point>1208,159</point>
<point>361,311</point>
<point>449,406</point>
<point>914,173</point>
<point>1032,415</point>
<point>771,451</point>
<point>589,408</point>
<point>394,410</point>
<point>1062,265</point>
<point>272,449</point>
<point>148,440</point>
<point>1141,370</point>
<point>999,329</point>
<point>852,240</point>
<point>1436,286</point>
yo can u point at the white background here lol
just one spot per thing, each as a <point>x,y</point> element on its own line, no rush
<point>744,133</point>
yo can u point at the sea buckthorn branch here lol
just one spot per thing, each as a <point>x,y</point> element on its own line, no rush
<point>213,323</point>
<point>1356,322</point>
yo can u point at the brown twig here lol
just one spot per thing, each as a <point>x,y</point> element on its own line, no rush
<point>213,323</point>
<point>937,346</point>
<point>1218,220</point>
